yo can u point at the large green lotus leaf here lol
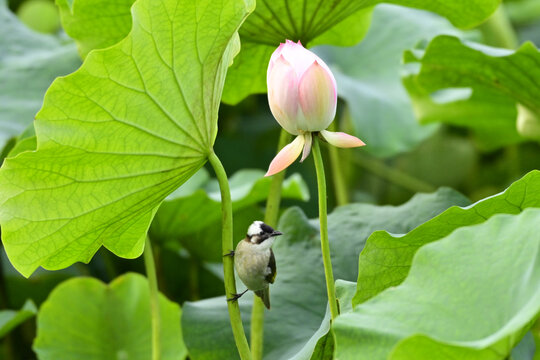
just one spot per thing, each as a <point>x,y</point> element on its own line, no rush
<point>11,318</point>
<point>295,323</point>
<point>368,77</point>
<point>119,135</point>
<point>95,24</point>
<point>343,22</point>
<point>29,62</point>
<point>345,290</point>
<point>192,214</point>
<point>451,88</point>
<point>86,319</point>
<point>387,258</point>
<point>471,295</point>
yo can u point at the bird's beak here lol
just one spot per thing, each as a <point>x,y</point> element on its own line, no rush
<point>276,233</point>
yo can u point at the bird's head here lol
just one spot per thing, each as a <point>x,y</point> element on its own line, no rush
<point>261,234</point>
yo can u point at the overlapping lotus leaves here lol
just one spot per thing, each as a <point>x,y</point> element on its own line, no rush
<point>387,258</point>
<point>498,100</point>
<point>471,295</point>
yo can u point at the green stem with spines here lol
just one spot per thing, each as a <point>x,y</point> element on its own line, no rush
<point>270,218</point>
<point>154,299</point>
<point>227,246</point>
<point>323,220</point>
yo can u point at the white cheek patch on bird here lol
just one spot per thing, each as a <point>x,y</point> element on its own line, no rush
<point>255,228</point>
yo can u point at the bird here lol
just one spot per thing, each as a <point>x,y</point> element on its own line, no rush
<point>254,261</point>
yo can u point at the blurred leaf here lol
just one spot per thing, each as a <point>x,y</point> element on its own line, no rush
<point>75,193</point>
<point>204,244</point>
<point>298,297</point>
<point>37,287</point>
<point>192,214</point>
<point>10,319</point>
<point>451,87</point>
<point>22,145</point>
<point>95,24</point>
<point>523,11</point>
<point>387,258</point>
<point>26,141</point>
<point>368,77</point>
<point>85,319</point>
<point>324,350</point>
<point>445,159</point>
<point>536,335</point>
<point>525,349</point>
<point>29,62</point>
<point>341,23</point>
<point>530,32</point>
<point>324,342</point>
<point>192,208</point>
<point>471,295</point>
<point>40,15</point>
<point>185,278</point>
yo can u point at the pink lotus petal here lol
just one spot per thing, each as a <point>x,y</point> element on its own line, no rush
<point>318,97</point>
<point>275,55</point>
<point>298,56</point>
<point>286,156</point>
<point>283,94</point>
<point>341,139</point>
<point>308,138</point>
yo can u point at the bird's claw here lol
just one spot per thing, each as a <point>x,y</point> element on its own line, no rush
<point>237,296</point>
<point>230,253</point>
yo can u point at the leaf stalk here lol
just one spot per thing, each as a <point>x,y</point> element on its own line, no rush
<point>150,267</point>
<point>325,246</point>
<point>228,262</point>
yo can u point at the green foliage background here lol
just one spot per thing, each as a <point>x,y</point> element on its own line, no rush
<point>447,102</point>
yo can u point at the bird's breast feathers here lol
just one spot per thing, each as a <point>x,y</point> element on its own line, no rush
<point>252,265</point>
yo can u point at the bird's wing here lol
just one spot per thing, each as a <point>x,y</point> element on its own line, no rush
<point>272,266</point>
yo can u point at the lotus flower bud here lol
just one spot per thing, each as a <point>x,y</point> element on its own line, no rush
<point>302,94</point>
<point>302,91</point>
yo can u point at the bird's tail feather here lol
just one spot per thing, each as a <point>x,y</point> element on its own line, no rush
<point>264,294</point>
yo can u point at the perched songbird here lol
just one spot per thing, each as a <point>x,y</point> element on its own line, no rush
<point>254,260</point>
